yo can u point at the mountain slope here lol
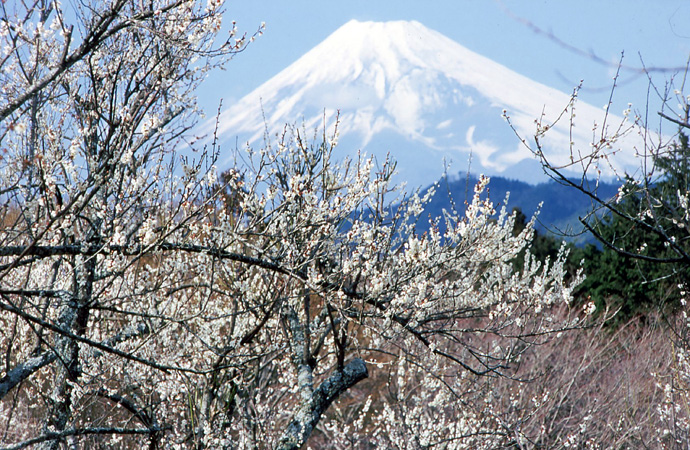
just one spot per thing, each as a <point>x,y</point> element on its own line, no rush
<point>402,88</point>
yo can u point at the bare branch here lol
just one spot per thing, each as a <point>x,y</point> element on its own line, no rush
<point>81,432</point>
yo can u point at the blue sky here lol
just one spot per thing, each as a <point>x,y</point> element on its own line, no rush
<point>655,29</point>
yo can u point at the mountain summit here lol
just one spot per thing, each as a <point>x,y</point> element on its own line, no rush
<point>406,90</point>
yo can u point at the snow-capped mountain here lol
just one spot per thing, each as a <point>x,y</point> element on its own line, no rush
<point>408,91</point>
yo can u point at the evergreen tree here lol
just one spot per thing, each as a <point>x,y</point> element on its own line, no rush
<point>638,268</point>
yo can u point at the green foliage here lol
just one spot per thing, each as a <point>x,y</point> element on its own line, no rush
<point>633,284</point>
<point>544,247</point>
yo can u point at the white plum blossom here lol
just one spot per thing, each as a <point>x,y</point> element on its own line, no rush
<point>151,306</point>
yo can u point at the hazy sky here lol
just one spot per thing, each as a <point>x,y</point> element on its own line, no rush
<point>496,29</point>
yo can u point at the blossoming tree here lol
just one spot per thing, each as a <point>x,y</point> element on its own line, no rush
<point>145,301</point>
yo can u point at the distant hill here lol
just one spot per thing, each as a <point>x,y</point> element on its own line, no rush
<point>562,205</point>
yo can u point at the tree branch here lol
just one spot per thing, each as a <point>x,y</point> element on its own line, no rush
<point>24,370</point>
<point>622,252</point>
<point>134,250</point>
<point>98,345</point>
<point>307,417</point>
<point>676,121</point>
<point>80,432</point>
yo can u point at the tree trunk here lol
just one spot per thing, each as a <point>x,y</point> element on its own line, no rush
<point>310,410</point>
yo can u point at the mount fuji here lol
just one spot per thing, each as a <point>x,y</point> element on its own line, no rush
<point>402,89</point>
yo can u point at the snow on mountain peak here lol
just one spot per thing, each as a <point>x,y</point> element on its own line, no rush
<point>403,89</point>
